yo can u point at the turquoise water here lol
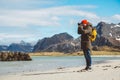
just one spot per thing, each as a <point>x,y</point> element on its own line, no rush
<point>43,63</point>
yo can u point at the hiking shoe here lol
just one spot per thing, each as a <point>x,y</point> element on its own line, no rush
<point>88,68</point>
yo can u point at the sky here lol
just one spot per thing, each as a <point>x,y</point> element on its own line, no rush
<point>31,20</point>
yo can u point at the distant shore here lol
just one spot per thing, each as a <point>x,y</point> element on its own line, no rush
<point>117,53</point>
<point>109,70</point>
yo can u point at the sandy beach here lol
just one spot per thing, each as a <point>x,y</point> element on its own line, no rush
<point>109,70</point>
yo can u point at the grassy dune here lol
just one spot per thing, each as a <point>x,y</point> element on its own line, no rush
<point>104,50</point>
<point>74,54</point>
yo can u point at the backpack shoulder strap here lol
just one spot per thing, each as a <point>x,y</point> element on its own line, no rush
<point>89,24</point>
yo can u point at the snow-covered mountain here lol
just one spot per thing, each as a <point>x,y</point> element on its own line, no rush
<point>15,47</point>
<point>108,34</point>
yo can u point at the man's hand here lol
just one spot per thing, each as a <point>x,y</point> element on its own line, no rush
<point>81,27</point>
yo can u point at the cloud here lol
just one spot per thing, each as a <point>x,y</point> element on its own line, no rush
<point>117,16</point>
<point>6,35</point>
<point>27,1</point>
<point>25,4</point>
<point>6,38</point>
<point>42,17</point>
<point>110,19</point>
<point>34,4</point>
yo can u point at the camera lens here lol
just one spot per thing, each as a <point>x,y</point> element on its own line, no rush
<point>78,23</point>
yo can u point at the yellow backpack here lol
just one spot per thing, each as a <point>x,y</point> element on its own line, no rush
<point>93,34</point>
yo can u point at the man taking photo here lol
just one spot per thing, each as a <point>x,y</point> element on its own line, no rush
<point>85,29</point>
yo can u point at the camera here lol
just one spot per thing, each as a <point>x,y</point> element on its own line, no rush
<point>79,23</point>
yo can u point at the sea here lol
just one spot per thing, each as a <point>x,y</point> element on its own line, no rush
<point>45,63</point>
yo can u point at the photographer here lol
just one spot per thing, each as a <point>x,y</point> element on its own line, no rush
<point>85,29</point>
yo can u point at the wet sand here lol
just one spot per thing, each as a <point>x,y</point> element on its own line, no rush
<point>110,70</point>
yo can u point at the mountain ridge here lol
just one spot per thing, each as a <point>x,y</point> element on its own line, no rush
<point>108,35</point>
<point>17,47</point>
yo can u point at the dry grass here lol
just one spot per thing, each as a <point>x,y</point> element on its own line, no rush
<point>73,54</point>
<point>103,50</point>
<point>106,48</point>
<point>46,54</point>
<point>55,54</point>
<point>105,53</point>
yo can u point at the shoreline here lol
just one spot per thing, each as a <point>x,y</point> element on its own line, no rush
<point>80,53</point>
<point>110,70</point>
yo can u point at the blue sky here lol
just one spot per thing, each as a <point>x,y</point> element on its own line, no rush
<point>31,20</point>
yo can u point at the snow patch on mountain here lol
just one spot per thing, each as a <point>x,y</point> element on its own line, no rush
<point>110,34</point>
<point>115,26</point>
<point>118,38</point>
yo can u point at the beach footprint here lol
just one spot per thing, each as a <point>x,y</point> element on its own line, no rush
<point>84,70</point>
<point>105,69</point>
<point>116,67</point>
<point>107,66</point>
